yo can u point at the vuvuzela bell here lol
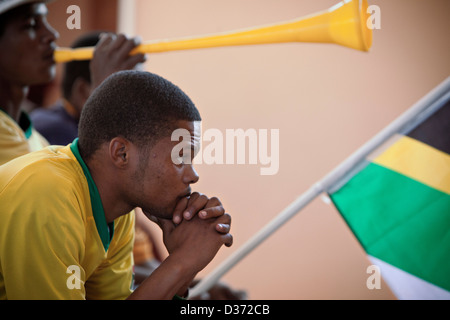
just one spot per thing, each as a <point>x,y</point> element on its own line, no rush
<point>345,24</point>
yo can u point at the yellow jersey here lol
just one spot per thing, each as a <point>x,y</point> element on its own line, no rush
<point>55,242</point>
<point>15,141</point>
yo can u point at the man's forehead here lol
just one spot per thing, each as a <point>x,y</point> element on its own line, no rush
<point>40,8</point>
<point>186,141</point>
<point>195,131</point>
<point>194,127</point>
<point>187,134</point>
<point>37,9</point>
<point>29,10</point>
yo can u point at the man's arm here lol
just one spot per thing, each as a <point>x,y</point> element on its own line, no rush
<point>191,245</point>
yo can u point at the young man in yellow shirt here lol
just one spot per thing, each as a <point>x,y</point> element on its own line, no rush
<point>27,44</point>
<point>65,227</point>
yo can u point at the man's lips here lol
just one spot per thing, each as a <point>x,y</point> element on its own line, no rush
<point>49,57</point>
<point>49,54</point>
<point>187,193</point>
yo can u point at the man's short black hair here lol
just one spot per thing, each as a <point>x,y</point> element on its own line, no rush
<point>139,106</point>
<point>78,69</point>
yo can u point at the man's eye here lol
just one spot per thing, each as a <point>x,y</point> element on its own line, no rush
<point>184,159</point>
<point>31,24</point>
<point>178,160</point>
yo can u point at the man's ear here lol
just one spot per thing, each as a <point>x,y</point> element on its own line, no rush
<point>119,151</point>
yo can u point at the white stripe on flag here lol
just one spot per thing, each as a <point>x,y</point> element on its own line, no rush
<point>407,286</point>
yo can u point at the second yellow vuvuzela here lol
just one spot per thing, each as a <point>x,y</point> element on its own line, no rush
<point>343,24</point>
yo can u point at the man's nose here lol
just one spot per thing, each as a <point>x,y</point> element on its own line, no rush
<point>49,34</point>
<point>191,176</point>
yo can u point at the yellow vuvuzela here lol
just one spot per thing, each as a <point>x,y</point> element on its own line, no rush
<point>345,24</point>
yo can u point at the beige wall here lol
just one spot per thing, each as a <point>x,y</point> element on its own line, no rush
<point>326,101</point>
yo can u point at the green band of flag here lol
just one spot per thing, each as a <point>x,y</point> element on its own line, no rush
<point>399,220</point>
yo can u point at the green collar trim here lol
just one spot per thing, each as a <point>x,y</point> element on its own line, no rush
<point>105,230</point>
<point>26,124</point>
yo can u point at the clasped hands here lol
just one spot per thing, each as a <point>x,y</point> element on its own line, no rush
<point>199,227</point>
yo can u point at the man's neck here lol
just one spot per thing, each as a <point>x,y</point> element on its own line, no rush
<point>11,99</point>
<point>111,197</point>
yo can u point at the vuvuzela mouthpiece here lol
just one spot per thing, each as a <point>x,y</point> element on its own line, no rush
<point>63,55</point>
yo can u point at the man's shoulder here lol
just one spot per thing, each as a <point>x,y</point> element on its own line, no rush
<point>9,128</point>
<point>50,168</point>
<point>54,114</point>
<point>55,124</point>
<point>44,188</point>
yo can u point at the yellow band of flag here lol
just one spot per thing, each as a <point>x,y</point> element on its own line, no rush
<point>418,161</point>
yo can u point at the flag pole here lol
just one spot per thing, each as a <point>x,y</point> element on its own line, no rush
<point>433,100</point>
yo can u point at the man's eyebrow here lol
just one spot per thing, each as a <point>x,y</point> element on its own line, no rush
<point>41,12</point>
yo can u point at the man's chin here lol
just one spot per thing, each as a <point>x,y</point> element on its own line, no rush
<point>45,77</point>
<point>159,214</point>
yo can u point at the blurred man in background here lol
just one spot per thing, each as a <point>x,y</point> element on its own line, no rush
<point>27,43</point>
